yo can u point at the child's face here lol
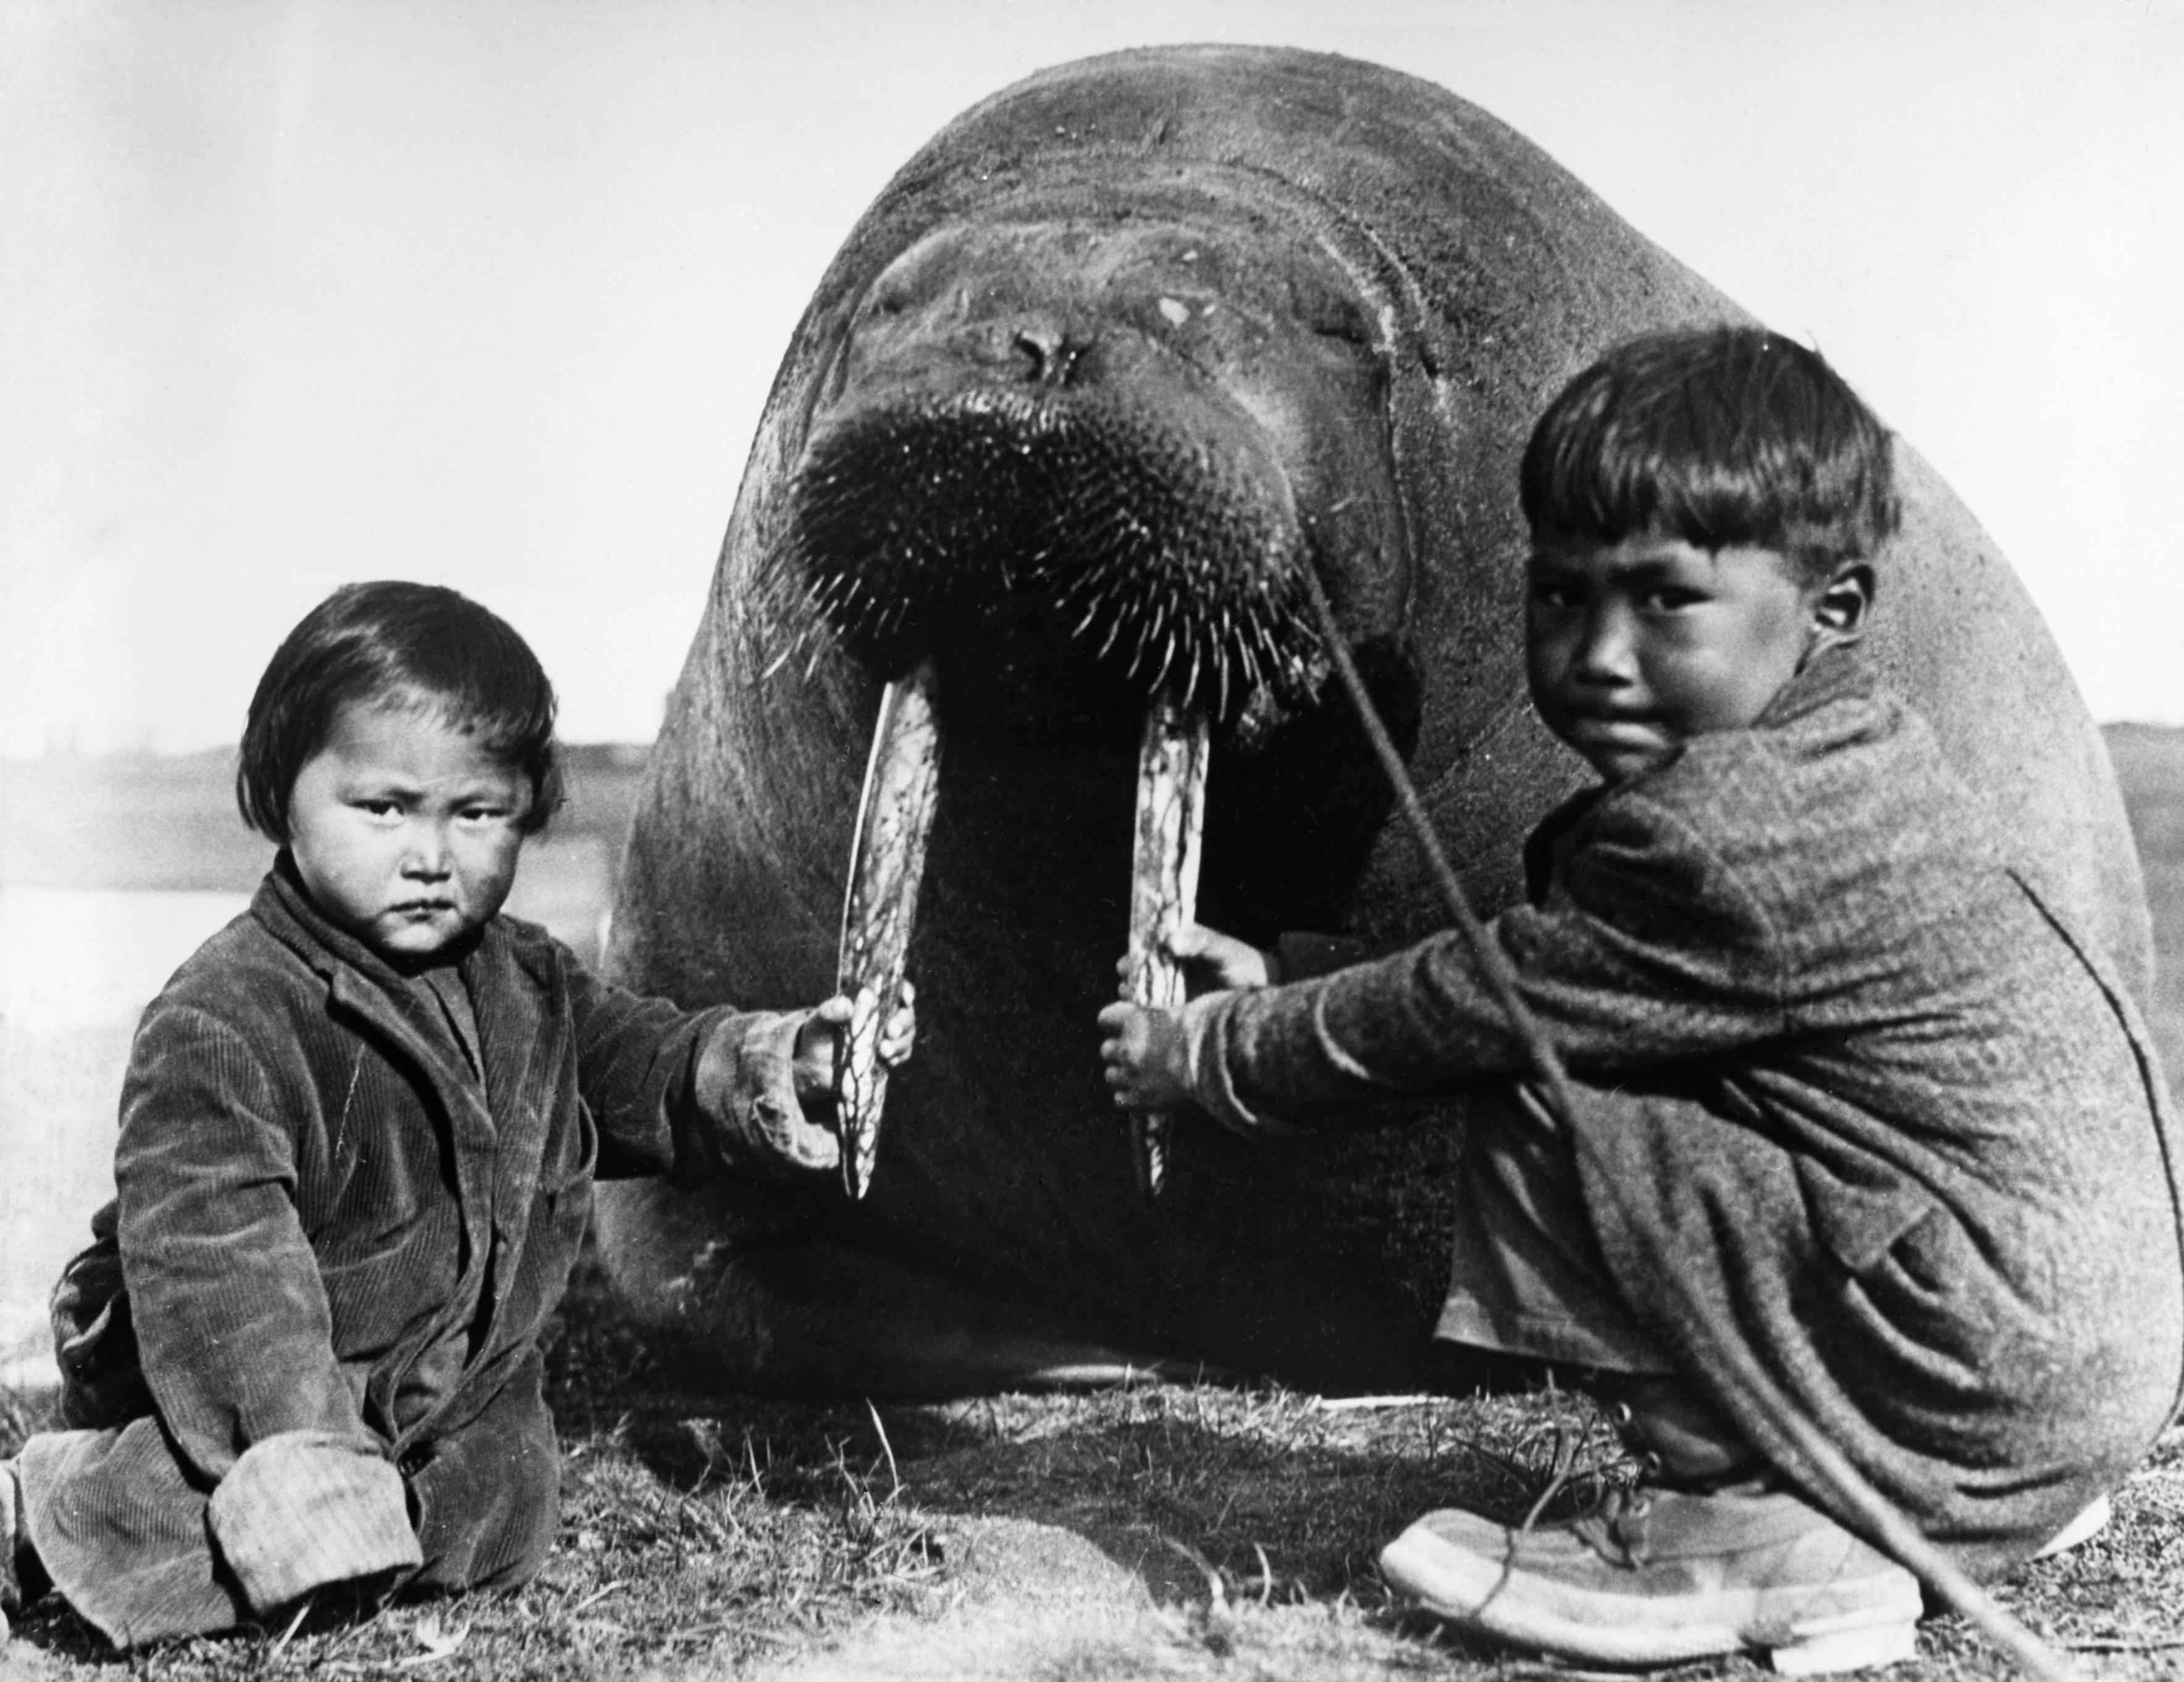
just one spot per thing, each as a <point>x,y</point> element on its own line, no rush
<point>1635,648</point>
<point>405,830</point>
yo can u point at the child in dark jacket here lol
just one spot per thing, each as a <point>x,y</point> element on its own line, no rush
<point>359,1134</point>
<point>1856,1117</point>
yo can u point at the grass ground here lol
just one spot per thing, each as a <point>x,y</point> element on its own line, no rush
<point>1163,1531</point>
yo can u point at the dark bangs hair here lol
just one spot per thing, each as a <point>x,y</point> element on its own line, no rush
<point>391,642</point>
<point>1720,436</point>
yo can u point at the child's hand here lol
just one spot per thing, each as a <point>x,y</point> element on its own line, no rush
<point>899,1037</point>
<point>1212,960</point>
<point>1148,1062</point>
<point>817,1039</point>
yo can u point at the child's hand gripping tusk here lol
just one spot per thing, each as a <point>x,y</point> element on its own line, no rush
<point>1148,1060</point>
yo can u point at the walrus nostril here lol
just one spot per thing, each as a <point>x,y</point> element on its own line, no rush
<point>1049,358</point>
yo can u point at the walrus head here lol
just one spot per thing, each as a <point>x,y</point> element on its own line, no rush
<point>1117,451</point>
<point>1075,472</point>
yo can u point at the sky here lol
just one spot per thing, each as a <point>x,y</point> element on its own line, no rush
<point>490,292</point>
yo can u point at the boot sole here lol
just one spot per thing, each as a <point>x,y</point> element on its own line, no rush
<point>1845,1626</point>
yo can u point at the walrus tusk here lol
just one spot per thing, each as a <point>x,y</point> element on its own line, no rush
<point>1163,887</point>
<point>886,864</point>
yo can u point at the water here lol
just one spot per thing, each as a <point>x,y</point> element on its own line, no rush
<point>77,967</point>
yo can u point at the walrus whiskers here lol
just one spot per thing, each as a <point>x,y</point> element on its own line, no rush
<point>916,522</point>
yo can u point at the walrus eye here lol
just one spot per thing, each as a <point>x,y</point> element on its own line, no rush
<point>1346,325</point>
<point>1331,315</point>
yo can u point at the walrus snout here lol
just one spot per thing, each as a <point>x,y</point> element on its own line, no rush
<point>1142,430</point>
<point>1166,543</point>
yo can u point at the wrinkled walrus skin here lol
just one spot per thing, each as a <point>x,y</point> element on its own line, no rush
<point>1296,297</point>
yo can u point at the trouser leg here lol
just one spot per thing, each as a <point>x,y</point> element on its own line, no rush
<point>121,1529</point>
<point>1526,1275</point>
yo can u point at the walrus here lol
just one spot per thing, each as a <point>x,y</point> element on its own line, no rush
<point>1122,362</point>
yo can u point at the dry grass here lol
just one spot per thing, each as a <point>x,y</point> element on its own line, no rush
<point>700,1535</point>
<point>1154,1532</point>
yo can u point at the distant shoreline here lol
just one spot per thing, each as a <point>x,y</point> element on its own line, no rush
<point>622,756</point>
<point>167,823</point>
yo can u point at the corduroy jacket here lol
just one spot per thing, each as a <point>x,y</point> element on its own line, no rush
<point>338,1240</point>
<point>1857,1116</point>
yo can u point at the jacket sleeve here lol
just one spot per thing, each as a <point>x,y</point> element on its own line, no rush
<point>233,1326</point>
<point>1648,949</point>
<point>691,1094</point>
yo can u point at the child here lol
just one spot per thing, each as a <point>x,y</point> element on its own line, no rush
<point>1856,1116</point>
<point>359,1135</point>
